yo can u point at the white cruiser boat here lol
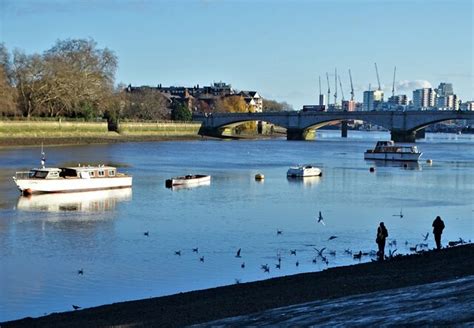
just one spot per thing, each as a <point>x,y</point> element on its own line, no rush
<point>70,179</point>
<point>302,171</point>
<point>387,150</point>
<point>188,180</point>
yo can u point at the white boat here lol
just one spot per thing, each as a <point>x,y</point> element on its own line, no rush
<point>302,171</point>
<point>389,151</point>
<point>188,180</point>
<point>70,179</point>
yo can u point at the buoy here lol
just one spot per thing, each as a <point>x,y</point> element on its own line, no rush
<point>259,176</point>
<point>372,169</point>
<point>429,161</point>
<point>405,165</point>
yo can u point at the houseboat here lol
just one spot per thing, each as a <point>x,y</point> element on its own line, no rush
<point>389,151</point>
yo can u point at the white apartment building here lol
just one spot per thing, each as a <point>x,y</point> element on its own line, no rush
<point>424,98</point>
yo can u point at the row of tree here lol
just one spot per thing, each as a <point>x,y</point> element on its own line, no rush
<point>76,79</point>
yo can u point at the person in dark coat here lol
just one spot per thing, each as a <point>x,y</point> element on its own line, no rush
<point>438,227</point>
<point>382,235</point>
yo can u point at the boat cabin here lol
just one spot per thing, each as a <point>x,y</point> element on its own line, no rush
<point>81,172</point>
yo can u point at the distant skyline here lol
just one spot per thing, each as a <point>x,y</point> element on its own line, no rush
<point>278,48</point>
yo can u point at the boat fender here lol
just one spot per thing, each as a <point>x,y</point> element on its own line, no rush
<point>27,192</point>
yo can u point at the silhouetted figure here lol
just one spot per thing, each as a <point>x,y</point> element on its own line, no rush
<point>382,235</point>
<point>438,227</point>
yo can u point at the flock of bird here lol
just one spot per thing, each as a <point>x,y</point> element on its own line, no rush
<point>320,254</point>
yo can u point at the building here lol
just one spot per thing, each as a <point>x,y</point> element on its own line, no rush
<point>253,100</point>
<point>445,89</point>
<point>449,102</point>
<point>468,105</point>
<point>424,98</point>
<point>398,100</point>
<point>372,99</point>
<point>348,105</point>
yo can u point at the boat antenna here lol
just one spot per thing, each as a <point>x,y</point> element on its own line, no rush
<point>43,157</point>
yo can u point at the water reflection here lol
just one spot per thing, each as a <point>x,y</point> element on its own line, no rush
<point>408,165</point>
<point>89,201</point>
<point>306,181</point>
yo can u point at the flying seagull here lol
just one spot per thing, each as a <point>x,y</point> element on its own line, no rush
<point>400,215</point>
<point>320,219</point>
<point>146,233</point>
<point>425,237</point>
<point>196,250</point>
<point>80,271</point>
<point>177,253</point>
<point>332,237</point>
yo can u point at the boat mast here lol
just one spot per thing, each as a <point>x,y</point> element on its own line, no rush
<point>43,157</point>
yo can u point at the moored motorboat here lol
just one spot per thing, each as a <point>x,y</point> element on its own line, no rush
<point>389,151</point>
<point>70,179</point>
<point>302,171</point>
<point>188,180</point>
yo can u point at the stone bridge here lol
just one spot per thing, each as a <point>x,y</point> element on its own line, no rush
<point>302,125</point>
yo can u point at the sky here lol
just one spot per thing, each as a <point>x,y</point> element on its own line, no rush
<point>278,48</point>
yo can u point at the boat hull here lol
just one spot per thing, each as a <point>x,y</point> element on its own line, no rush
<point>34,186</point>
<point>188,181</point>
<point>387,156</point>
<point>299,173</point>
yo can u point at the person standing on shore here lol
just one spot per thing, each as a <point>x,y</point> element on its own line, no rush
<point>438,227</point>
<point>382,235</point>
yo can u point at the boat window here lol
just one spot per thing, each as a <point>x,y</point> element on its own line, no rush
<point>40,174</point>
<point>101,173</point>
<point>111,173</point>
<point>53,174</point>
<point>92,173</point>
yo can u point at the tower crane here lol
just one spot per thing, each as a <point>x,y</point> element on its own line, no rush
<point>342,91</point>
<point>393,85</point>
<point>352,87</point>
<point>329,88</point>
<point>378,79</point>
<point>335,86</point>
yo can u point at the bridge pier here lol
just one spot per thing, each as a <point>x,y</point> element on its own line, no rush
<point>300,134</point>
<point>344,129</point>
<point>403,136</point>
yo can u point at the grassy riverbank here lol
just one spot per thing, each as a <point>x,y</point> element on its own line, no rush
<point>211,304</point>
<point>31,133</point>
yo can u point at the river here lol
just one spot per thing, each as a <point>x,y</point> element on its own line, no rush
<point>46,239</point>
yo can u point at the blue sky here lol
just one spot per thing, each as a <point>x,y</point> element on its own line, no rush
<point>278,48</point>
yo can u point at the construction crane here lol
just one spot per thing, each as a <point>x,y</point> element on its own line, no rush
<point>352,87</point>
<point>320,85</point>
<point>378,79</point>
<point>393,85</point>
<point>335,86</point>
<point>329,88</point>
<point>342,91</point>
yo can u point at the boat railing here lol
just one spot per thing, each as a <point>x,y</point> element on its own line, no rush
<point>23,175</point>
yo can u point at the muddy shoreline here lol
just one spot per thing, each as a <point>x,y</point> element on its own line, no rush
<point>211,304</point>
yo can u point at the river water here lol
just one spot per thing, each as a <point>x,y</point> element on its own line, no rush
<point>46,239</point>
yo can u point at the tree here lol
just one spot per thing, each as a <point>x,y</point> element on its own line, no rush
<point>8,105</point>
<point>275,106</point>
<point>146,104</point>
<point>231,104</point>
<point>181,113</point>
<point>72,79</point>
